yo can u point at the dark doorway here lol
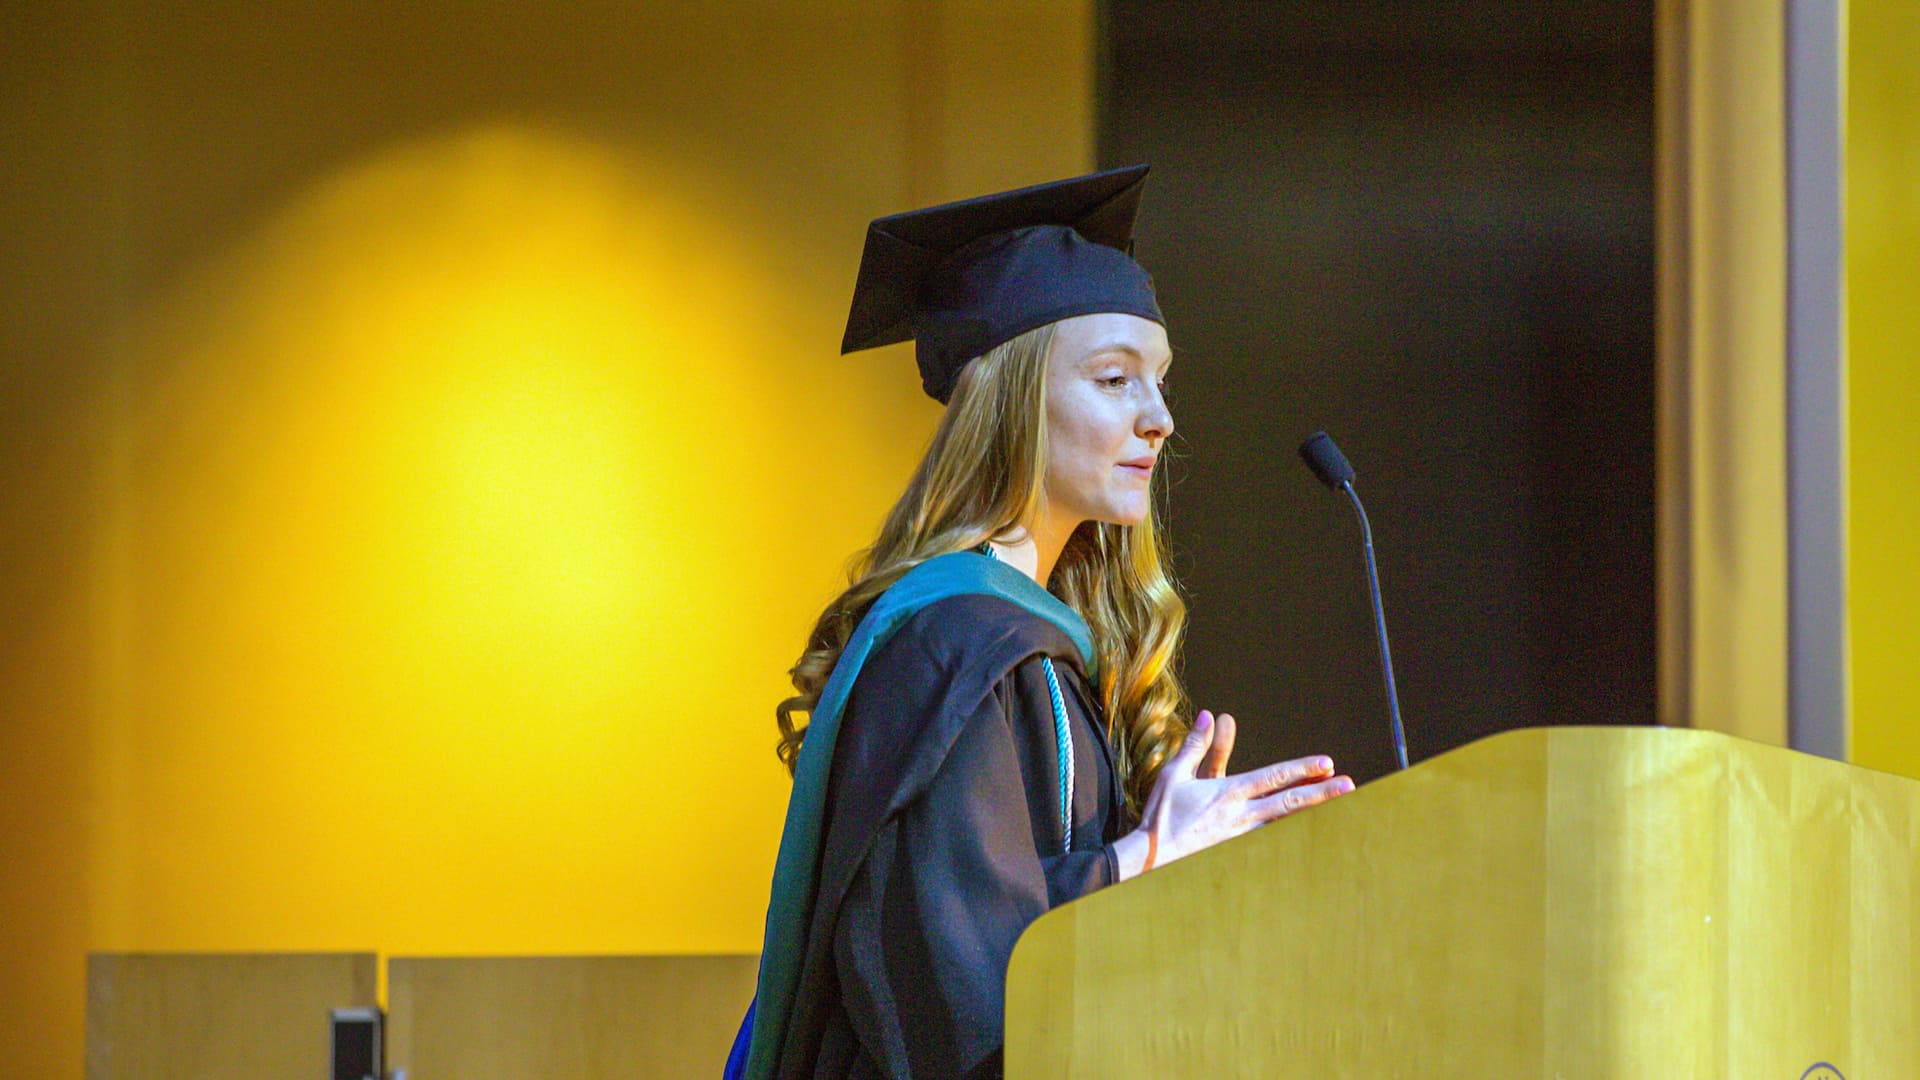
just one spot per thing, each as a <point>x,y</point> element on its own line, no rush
<point>1429,229</point>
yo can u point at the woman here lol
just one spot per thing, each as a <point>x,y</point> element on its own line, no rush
<point>981,748</point>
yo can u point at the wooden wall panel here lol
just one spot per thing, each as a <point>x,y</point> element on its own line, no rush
<point>209,1016</point>
<point>484,1018</point>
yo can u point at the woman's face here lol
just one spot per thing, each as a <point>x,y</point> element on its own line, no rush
<point>1107,418</point>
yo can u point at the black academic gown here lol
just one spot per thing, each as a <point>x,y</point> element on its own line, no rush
<point>943,841</point>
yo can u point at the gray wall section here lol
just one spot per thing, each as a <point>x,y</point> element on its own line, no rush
<point>1816,400</point>
<point>1429,230</point>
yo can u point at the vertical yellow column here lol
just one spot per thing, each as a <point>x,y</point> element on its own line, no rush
<point>1722,344</point>
<point>1883,372</point>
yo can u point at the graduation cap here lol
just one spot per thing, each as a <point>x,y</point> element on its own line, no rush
<point>961,278</point>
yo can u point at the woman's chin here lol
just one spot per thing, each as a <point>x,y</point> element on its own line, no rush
<point>1126,515</point>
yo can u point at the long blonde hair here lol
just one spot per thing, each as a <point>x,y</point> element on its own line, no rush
<point>982,477</point>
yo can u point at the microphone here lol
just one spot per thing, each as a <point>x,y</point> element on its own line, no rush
<point>1333,469</point>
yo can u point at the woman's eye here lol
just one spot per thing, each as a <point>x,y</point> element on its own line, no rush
<point>1115,381</point>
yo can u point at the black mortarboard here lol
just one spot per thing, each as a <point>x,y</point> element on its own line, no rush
<point>962,278</point>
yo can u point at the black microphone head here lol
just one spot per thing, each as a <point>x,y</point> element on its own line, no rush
<point>1326,460</point>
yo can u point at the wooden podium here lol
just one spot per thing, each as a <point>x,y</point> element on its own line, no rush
<point>1551,902</point>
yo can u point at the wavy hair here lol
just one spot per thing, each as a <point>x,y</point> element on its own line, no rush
<point>982,477</point>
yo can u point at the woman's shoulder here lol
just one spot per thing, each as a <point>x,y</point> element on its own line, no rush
<point>960,631</point>
<point>944,668</point>
<point>950,655</point>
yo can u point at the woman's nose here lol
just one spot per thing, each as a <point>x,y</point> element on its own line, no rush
<point>1156,420</point>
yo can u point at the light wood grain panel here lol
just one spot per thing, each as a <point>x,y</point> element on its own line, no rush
<point>484,1018</point>
<point>1608,878</point>
<point>1884,995</point>
<point>160,1016</point>
<point>1562,902</point>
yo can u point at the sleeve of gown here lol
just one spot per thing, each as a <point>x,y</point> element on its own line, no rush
<point>929,923</point>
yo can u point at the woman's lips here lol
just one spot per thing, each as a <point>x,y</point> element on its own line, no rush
<point>1138,470</point>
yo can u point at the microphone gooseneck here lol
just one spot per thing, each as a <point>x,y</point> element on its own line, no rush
<point>1333,469</point>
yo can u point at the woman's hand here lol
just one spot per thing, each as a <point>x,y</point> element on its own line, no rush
<point>1196,805</point>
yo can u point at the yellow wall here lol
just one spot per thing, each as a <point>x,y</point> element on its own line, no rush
<point>1883,374</point>
<point>426,449</point>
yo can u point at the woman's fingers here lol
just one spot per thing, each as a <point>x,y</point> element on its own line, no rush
<point>1193,749</point>
<point>1285,774</point>
<point>1214,764</point>
<point>1296,798</point>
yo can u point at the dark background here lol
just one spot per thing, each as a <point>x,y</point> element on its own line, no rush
<point>1427,229</point>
